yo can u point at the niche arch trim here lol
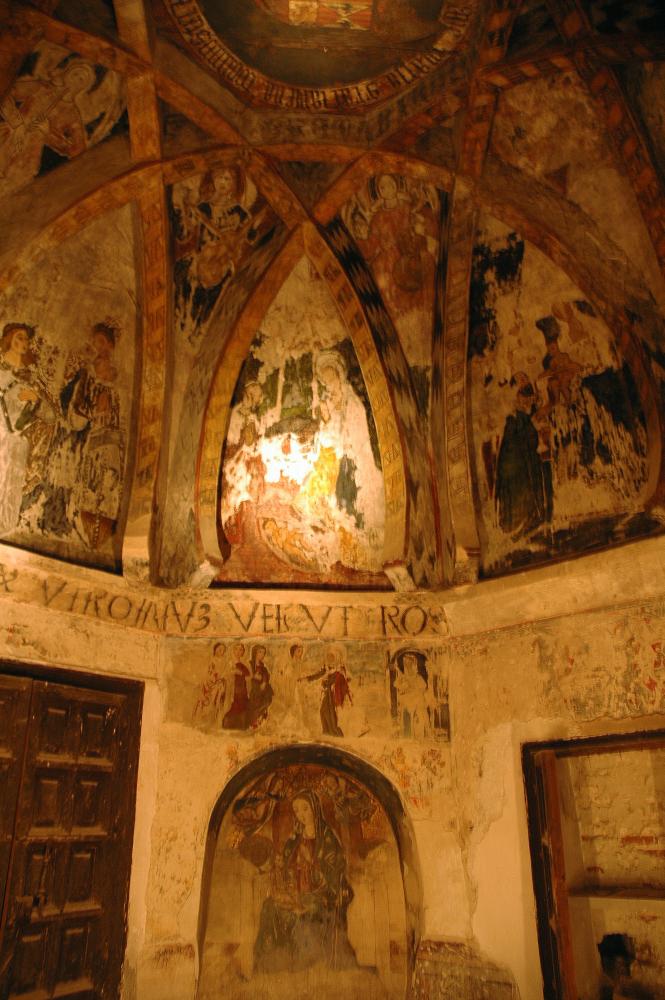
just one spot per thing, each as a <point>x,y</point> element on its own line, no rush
<point>365,774</point>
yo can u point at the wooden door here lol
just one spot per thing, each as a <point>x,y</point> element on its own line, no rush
<point>67,871</point>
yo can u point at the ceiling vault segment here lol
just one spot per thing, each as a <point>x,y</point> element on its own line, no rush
<point>450,410</point>
<point>632,152</point>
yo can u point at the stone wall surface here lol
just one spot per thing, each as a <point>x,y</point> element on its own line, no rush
<point>573,653</point>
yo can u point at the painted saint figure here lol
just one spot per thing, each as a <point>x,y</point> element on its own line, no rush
<point>304,920</point>
<point>237,714</point>
<point>410,694</point>
<point>260,691</point>
<point>27,419</point>
<point>63,108</point>
<point>91,404</point>
<point>524,478</point>
<point>335,691</point>
<point>213,689</point>
<point>213,229</point>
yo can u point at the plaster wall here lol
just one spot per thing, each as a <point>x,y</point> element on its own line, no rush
<point>571,653</point>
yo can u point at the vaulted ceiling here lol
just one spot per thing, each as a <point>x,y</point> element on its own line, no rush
<point>320,293</point>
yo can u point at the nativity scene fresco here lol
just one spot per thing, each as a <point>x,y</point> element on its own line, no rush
<point>559,431</point>
<point>302,495</point>
<point>396,223</point>
<point>217,219</point>
<point>59,105</point>
<point>316,689</point>
<point>306,895</point>
<point>66,393</point>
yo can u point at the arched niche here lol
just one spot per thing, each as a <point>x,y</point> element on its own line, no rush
<point>217,543</point>
<point>311,882</point>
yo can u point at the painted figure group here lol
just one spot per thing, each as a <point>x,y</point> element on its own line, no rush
<point>245,686</point>
<point>61,441</point>
<point>236,695</point>
<point>569,425</point>
<point>299,462</point>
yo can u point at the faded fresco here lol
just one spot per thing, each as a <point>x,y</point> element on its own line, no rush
<point>217,219</point>
<point>67,349</point>
<point>396,222</point>
<point>306,896</point>
<point>309,179</point>
<point>315,689</point>
<point>569,152</point>
<point>558,428</point>
<point>302,486</point>
<point>324,42</point>
<point>636,17</point>
<point>644,84</point>
<point>533,28</point>
<point>59,106</point>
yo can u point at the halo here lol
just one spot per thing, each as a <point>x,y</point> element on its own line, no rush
<point>330,359</point>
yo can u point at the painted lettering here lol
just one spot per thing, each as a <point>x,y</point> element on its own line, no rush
<point>49,596</point>
<point>317,626</point>
<point>125,607</point>
<point>250,620</point>
<point>390,614</point>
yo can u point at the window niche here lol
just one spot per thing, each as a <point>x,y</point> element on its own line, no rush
<point>596,812</point>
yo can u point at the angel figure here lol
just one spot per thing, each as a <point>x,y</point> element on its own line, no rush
<point>61,106</point>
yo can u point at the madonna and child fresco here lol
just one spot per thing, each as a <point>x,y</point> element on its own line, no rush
<point>302,496</point>
<point>306,896</point>
<point>560,438</point>
<point>324,689</point>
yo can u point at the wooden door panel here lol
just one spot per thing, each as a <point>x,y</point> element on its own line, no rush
<point>14,708</point>
<point>72,845</point>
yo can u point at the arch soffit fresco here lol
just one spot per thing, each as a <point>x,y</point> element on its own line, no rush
<point>33,24</point>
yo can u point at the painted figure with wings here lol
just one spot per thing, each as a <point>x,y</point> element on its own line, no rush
<point>63,104</point>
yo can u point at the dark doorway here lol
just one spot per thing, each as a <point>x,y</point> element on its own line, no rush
<point>68,766</point>
<point>596,812</point>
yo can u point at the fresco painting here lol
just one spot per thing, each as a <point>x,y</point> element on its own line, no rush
<point>217,219</point>
<point>59,106</point>
<point>65,396</point>
<point>534,28</point>
<point>319,689</point>
<point>635,16</point>
<point>396,222</point>
<point>356,14</point>
<point>306,896</point>
<point>302,486</point>
<point>324,42</point>
<point>559,431</point>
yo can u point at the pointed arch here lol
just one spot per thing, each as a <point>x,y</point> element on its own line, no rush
<point>305,240</point>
